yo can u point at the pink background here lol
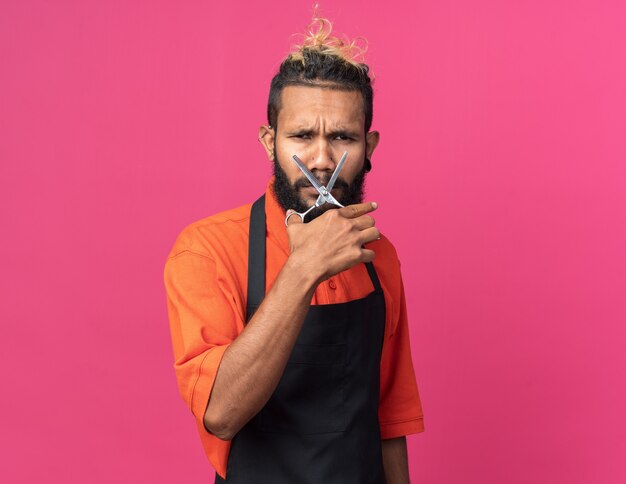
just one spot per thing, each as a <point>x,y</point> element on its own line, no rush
<point>500,177</point>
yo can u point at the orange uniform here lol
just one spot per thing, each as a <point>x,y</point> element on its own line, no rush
<point>206,282</point>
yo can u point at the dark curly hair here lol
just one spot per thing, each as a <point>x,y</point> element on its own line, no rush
<point>323,61</point>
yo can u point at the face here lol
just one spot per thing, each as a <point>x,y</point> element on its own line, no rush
<point>318,125</point>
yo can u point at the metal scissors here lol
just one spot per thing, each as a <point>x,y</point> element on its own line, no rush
<point>324,191</point>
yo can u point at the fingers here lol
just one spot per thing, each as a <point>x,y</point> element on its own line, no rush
<point>358,209</point>
<point>367,255</point>
<point>363,222</point>
<point>369,235</point>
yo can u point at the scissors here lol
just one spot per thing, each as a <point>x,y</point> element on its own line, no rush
<point>324,191</point>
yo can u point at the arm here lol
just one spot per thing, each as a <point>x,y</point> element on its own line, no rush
<point>248,373</point>
<point>395,460</point>
<point>400,408</point>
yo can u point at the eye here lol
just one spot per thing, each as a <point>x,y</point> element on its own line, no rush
<point>342,137</point>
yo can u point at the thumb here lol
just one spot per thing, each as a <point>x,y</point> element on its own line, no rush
<point>292,217</point>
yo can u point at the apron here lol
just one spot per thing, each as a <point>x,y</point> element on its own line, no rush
<point>321,423</point>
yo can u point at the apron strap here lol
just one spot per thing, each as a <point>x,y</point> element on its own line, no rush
<point>374,277</point>
<point>256,258</point>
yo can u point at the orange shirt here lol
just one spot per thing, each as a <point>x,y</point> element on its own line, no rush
<point>206,281</point>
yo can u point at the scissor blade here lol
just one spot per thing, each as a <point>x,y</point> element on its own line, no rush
<point>308,174</point>
<point>333,178</point>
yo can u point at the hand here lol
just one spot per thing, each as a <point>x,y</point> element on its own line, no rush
<point>333,242</point>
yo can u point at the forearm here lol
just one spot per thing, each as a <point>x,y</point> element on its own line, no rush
<point>395,460</point>
<point>255,361</point>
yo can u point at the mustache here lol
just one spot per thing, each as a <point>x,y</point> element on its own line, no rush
<point>323,179</point>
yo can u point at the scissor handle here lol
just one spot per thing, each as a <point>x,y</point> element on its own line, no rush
<point>301,215</point>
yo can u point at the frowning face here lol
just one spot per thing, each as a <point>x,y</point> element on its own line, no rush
<point>319,125</point>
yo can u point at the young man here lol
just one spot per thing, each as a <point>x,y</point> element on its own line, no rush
<point>291,337</point>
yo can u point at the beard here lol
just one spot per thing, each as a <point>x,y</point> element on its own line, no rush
<point>288,195</point>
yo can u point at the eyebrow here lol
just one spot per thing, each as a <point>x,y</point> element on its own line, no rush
<point>335,132</point>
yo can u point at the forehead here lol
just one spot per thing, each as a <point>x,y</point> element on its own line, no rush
<point>308,105</point>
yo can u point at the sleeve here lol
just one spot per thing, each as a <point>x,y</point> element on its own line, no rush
<point>400,408</point>
<point>203,323</point>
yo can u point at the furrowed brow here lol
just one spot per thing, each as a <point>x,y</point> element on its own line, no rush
<point>343,132</point>
<point>300,132</point>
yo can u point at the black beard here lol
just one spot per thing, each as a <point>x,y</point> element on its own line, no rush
<point>288,195</point>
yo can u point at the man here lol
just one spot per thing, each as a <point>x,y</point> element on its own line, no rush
<point>291,338</point>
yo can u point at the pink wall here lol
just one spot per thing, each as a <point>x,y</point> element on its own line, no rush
<point>500,177</point>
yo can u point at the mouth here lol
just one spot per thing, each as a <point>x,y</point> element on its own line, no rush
<point>311,191</point>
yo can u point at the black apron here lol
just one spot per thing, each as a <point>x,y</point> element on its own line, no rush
<point>321,423</point>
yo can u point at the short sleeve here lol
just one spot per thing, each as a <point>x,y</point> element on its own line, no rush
<point>400,408</point>
<point>203,323</point>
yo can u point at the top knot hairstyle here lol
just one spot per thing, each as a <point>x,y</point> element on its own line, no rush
<point>325,61</point>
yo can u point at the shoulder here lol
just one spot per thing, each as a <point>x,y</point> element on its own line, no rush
<point>220,230</point>
<point>386,259</point>
<point>387,266</point>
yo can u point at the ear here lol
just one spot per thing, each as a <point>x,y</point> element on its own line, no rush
<point>266,137</point>
<point>371,141</point>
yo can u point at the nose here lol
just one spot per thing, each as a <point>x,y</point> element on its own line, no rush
<point>321,158</point>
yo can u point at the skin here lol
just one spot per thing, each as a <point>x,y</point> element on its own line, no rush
<point>395,460</point>
<point>318,125</point>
